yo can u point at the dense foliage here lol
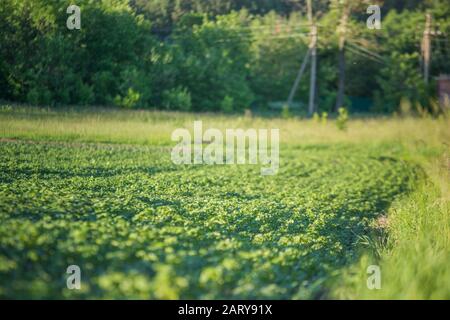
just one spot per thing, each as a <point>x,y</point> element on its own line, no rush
<point>140,227</point>
<point>202,55</point>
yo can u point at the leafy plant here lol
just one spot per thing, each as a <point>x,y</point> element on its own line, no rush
<point>285,112</point>
<point>141,227</point>
<point>177,99</point>
<point>129,101</point>
<point>316,117</point>
<point>342,119</point>
<point>227,104</point>
<point>324,118</point>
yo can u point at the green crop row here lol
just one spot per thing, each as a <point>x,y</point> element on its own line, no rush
<point>141,227</point>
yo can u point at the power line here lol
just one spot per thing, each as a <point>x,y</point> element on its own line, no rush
<point>264,38</point>
<point>365,55</point>
<point>270,27</point>
<point>250,36</point>
<point>368,52</point>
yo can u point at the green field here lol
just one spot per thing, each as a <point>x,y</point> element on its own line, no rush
<point>98,189</point>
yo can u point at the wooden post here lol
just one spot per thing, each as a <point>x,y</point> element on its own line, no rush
<point>426,49</point>
<point>313,49</point>
<point>342,38</point>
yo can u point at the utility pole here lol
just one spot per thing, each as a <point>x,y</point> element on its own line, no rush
<point>342,37</point>
<point>313,49</point>
<point>426,48</point>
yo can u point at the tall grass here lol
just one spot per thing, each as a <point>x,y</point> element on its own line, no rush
<point>415,259</point>
<point>155,127</point>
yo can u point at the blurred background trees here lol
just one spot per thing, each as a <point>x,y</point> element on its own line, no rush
<point>219,55</point>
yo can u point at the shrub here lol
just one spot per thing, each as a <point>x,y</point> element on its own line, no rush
<point>324,117</point>
<point>178,98</point>
<point>342,119</point>
<point>130,100</point>
<point>85,93</point>
<point>405,107</point>
<point>39,96</point>
<point>316,117</point>
<point>285,112</point>
<point>33,96</point>
<point>227,104</point>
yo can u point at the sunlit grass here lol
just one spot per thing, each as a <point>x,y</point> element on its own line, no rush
<point>415,261</point>
<point>155,127</point>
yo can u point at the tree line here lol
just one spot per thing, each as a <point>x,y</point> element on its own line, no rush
<point>203,55</point>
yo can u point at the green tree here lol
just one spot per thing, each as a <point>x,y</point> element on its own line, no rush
<point>212,62</point>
